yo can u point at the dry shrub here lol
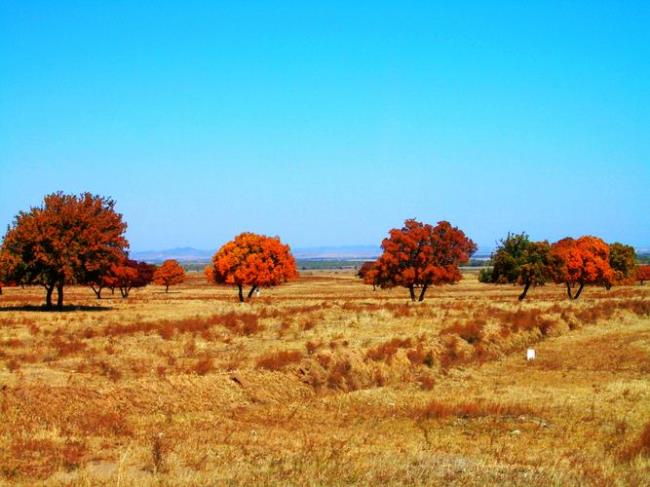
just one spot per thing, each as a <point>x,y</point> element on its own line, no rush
<point>104,423</point>
<point>451,355</point>
<point>69,347</point>
<point>399,310</point>
<point>11,343</point>
<point>278,360</point>
<point>308,324</point>
<point>241,323</point>
<point>312,346</point>
<point>203,366</point>
<point>471,332</point>
<point>109,371</point>
<point>474,409</point>
<point>88,333</point>
<point>31,458</point>
<point>324,360</point>
<point>379,378</point>
<point>386,351</point>
<point>237,323</point>
<point>426,382</point>
<point>158,450</point>
<point>72,454</point>
<point>340,376</point>
<point>418,356</point>
<point>640,447</point>
<point>13,365</point>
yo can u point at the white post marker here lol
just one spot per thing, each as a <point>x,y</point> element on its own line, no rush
<point>530,354</point>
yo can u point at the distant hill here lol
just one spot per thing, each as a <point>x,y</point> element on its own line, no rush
<point>345,252</point>
<point>181,254</point>
<point>190,254</point>
<point>349,252</point>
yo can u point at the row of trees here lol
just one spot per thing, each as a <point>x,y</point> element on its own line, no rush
<point>575,263</point>
<point>418,256</point>
<point>80,240</point>
<point>73,239</point>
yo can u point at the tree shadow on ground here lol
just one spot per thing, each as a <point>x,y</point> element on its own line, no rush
<point>43,308</point>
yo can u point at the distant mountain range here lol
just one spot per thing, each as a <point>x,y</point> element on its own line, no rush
<point>347,252</point>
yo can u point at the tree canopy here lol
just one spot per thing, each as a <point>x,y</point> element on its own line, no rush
<point>69,239</point>
<point>169,273</point>
<point>518,260</point>
<point>419,255</point>
<point>622,260</point>
<point>580,262</point>
<point>253,260</point>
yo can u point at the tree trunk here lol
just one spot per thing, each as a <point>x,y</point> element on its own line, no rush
<point>48,296</point>
<point>59,296</point>
<point>97,290</point>
<point>577,295</point>
<point>124,292</point>
<point>241,293</point>
<point>568,290</point>
<point>113,290</point>
<point>522,296</point>
<point>250,293</point>
<point>166,288</point>
<point>0,290</point>
<point>412,293</point>
<point>424,290</point>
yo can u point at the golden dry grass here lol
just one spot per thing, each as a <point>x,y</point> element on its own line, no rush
<point>324,381</point>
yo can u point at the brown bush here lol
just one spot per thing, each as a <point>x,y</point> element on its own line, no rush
<point>278,360</point>
<point>471,332</point>
<point>386,351</point>
<point>476,409</point>
<point>203,366</point>
<point>69,347</point>
<point>640,447</point>
<point>418,356</point>
<point>312,346</point>
<point>340,376</point>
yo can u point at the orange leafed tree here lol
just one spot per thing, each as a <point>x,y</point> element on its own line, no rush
<point>419,255</point>
<point>580,262</point>
<point>253,260</point>
<point>69,239</point>
<point>126,275</point>
<point>368,273</point>
<point>643,273</point>
<point>169,273</point>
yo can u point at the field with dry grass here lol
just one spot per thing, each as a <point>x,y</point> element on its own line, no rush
<point>324,381</point>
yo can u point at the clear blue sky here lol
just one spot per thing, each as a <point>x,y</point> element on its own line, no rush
<point>329,123</point>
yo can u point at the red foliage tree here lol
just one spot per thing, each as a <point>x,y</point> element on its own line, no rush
<point>69,239</point>
<point>581,262</point>
<point>169,274</point>
<point>419,255</point>
<point>368,274</point>
<point>643,273</point>
<point>124,275</point>
<point>127,275</point>
<point>253,260</point>
<point>208,272</point>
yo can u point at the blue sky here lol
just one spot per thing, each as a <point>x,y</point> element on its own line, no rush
<point>330,123</point>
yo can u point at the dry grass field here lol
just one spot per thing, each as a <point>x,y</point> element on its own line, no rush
<point>326,382</point>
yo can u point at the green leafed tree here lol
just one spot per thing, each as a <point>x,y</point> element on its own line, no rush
<point>622,260</point>
<point>518,260</point>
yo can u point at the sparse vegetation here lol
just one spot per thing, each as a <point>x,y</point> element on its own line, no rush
<point>326,382</point>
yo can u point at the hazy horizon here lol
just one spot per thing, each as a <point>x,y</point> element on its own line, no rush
<point>331,124</point>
